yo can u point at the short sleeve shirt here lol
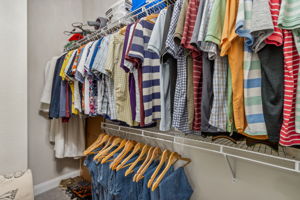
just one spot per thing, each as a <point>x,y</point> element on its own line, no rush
<point>149,66</point>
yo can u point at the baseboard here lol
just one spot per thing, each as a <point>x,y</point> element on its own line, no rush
<point>53,183</point>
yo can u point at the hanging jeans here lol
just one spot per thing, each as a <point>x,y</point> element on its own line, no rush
<point>175,186</point>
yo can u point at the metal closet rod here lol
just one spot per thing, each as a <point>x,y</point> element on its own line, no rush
<point>145,10</point>
<point>221,148</point>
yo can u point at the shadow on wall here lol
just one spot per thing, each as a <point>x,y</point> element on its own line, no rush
<point>62,163</point>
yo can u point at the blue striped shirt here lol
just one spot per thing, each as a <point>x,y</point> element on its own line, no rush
<point>149,64</point>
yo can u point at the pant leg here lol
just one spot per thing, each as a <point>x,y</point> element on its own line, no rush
<point>271,58</point>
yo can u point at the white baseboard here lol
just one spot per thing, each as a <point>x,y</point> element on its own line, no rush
<point>53,183</point>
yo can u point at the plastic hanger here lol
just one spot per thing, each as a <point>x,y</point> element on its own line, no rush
<point>115,142</point>
<point>106,158</point>
<point>163,159</point>
<point>149,154</point>
<point>136,148</point>
<point>94,145</point>
<point>155,154</point>
<point>145,150</point>
<point>174,157</point>
<point>109,141</point>
<point>128,146</point>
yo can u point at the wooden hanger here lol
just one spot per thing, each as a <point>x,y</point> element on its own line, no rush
<point>155,154</point>
<point>95,144</point>
<point>174,157</point>
<point>106,158</point>
<point>150,17</point>
<point>163,159</point>
<point>109,141</point>
<point>145,150</point>
<point>123,30</point>
<point>149,154</point>
<point>103,153</point>
<point>128,146</point>
<point>136,148</point>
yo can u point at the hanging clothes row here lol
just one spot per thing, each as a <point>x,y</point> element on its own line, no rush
<point>208,66</point>
<point>125,169</point>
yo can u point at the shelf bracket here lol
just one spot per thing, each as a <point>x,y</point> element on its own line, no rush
<point>297,166</point>
<point>232,171</point>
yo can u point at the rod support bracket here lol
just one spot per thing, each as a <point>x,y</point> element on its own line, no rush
<point>231,169</point>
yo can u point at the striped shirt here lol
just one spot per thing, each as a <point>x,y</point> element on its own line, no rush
<point>288,134</point>
<point>289,18</point>
<point>77,59</point>
<point>252,74</point>
<point>197,59</point>
<point>149,67</point>
<point>276,38</point>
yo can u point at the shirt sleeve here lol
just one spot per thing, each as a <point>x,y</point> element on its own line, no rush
<point>137,47</point>
<point>261,29</point>
<point>109,63</point>
<point>155,42</point>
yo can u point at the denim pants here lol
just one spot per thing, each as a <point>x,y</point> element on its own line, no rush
<point>175,186</point>
<point>124,188</point>
<point>93,169</point>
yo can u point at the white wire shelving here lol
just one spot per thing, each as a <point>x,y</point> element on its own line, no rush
<point>152,6</point>
<point>259,153</point>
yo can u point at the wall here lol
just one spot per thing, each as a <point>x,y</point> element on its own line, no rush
<point>13,86</point>
<point>48,19</point>
<point>95,8</point>
<point>212,180</point>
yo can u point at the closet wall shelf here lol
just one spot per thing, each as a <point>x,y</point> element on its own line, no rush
<point>260,154</point>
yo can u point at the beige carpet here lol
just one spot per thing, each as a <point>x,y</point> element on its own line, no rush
<point>55,194</point>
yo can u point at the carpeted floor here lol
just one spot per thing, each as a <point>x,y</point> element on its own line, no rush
<point>55,194</point>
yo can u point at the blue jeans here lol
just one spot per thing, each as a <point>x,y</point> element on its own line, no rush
<point>124,188</point>
<point>92,167</point>
<point>175,186</point>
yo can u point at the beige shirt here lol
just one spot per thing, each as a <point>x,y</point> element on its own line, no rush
<point>180,24</point>
<point>190,91</point>
<point>120,79</point>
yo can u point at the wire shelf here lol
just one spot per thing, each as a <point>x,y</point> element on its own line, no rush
<point>259,153</point>
<point>152,6</point>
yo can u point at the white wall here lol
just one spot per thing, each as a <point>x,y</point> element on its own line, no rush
<point>13,85</point>
<point>93,9</point>
<point>48,19</point>
<point>211,179</point>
